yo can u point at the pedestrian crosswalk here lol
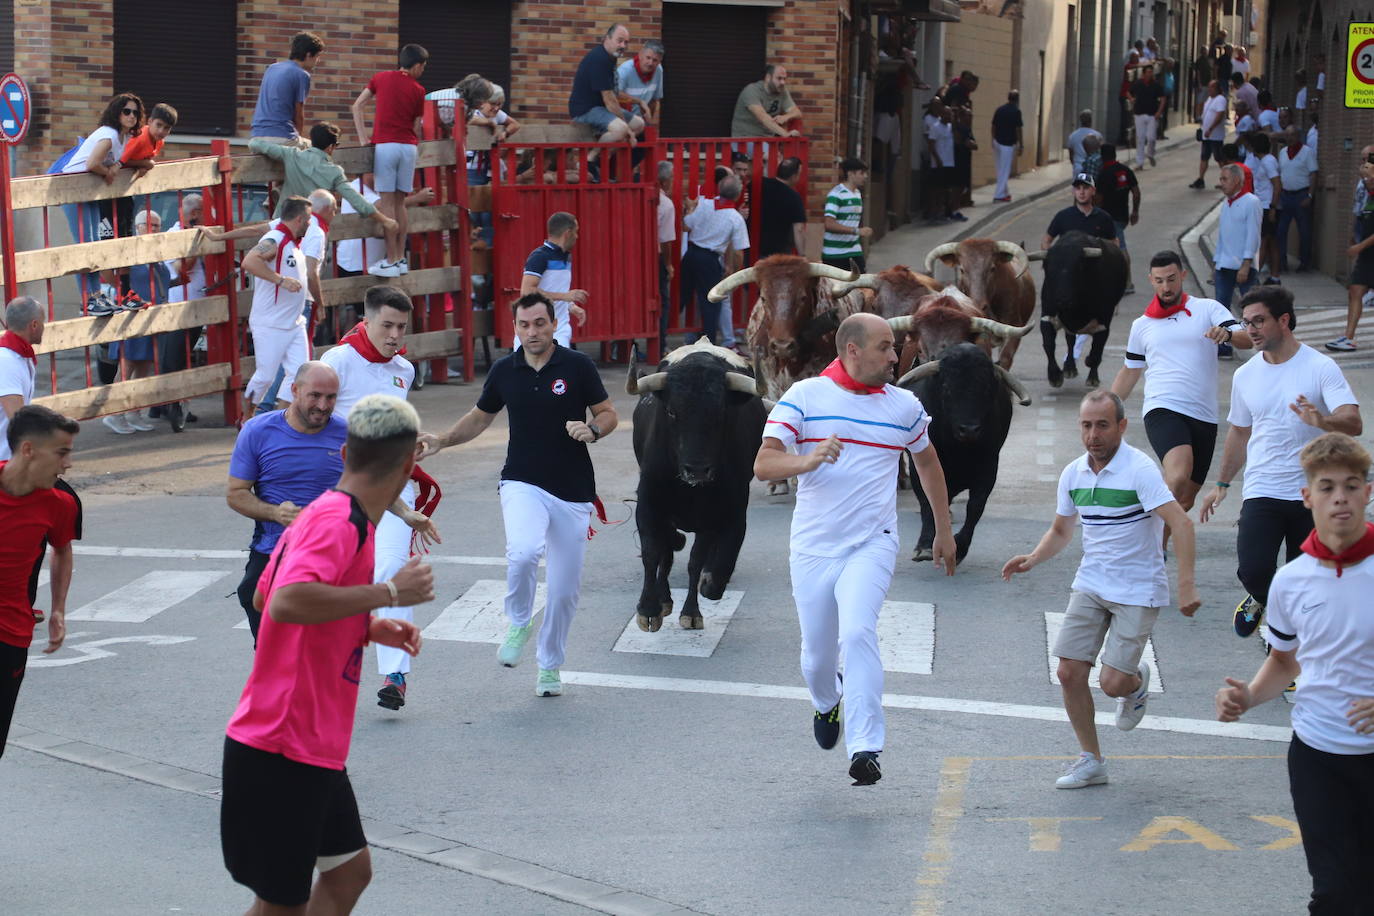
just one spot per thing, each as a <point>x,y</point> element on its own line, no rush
<point>478,615</point>
<point>147,596</point>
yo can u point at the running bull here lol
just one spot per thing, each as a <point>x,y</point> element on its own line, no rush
<point>994,274</point>
<point>1085,278</point>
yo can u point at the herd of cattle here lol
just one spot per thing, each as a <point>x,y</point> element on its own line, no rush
<point>701,414</point>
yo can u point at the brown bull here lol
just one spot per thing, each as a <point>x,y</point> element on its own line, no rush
<point>939,322</point>
<point>994,274</point>
<point>895,291</point>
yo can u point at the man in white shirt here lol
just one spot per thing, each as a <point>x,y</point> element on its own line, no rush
<point>713,229</point>
<point>849,427</point>
<point>1119,497</point>
<point>1297,177</point>
<point>1280,400</point>
<point>1238,236</point>
<point>1075,141</point>
<point>277,321</point>
<point>1213,131</point>
<point>1264,168</point>
<point>18,364</point>
<point>1174,345</point>
<point>665,219</point>
<point>1320,628</point>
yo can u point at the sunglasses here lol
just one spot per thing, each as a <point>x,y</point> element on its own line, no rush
<point>130,111</point>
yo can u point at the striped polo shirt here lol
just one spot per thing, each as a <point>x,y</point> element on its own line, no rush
<point>846,207</point>
<point>1123,553</point>
<point>843,505</point>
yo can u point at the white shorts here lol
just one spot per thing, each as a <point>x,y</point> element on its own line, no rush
<point>276,348</point>
<point>393,167</point>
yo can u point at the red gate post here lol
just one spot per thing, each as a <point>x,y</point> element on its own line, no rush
<point>222,345</point>
<point>7,225</point>
<point>460,242</point>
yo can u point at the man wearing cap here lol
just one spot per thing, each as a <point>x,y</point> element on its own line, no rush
<point>1083,214</point>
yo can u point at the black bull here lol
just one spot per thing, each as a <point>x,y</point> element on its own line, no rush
<point>697,427</point>
<point>1085,278</point>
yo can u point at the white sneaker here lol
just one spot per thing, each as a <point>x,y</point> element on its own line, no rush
<point>1087,770</point>
<point>138,421</point>
<point>404,264</point>
<point>1368,299</point>
<point>1341,343</point>
<point>118,423</point>
<point>385,268</point>
<point>1130,710</point>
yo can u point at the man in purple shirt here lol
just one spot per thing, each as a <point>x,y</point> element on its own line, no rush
<point>280,112</point>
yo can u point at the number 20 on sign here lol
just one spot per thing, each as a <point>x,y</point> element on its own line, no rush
<point>1359,66</point>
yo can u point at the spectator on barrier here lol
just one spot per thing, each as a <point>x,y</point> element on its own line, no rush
<point>142,150</point>
<point>279,116</point>
<point>639,82</point>
<point>1007,142</point>
<point>187,279</point>
<point>593,99</point>
<point>665,218</point>
<point>1361,254</point>
<point>149,283</point>
<point>1213,131</point>
<point>99,154</point>
<point>1242,90</point>
<point>472,90</point>
<point>1297,176</point>
<point>713,231</point>
<point>1238,239</point>
<point>351,256</point>
<point>1075,141</point>
<point>782,228</point>
<point>400,103</point>
<point>1264,169</point>
<point>24,319</point>
<point>842,245</point>
<point>548,270</point>
<point>489,115</point>
<point>1268,115</point>
<point>766,108</point>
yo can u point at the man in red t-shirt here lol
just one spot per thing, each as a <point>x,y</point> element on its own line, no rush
<point>37,508</point>
<point>288,807</point>
<point>400,102</point>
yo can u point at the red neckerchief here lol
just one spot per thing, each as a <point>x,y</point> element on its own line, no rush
<point>1293,151</point>
<point>286,230</point>
<point>1268,108</point>
<point>358,340</point>
<point>12,341</point>
<point>1356,552</point>
<point>837,374</point>
<point>644,75</point>
<point>723,204</point>
<point>1155,310</point>
<point>1238,195</point>
<point>323,223</point>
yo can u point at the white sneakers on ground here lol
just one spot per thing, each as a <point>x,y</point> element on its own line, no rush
<point>1130,710</point>
<point>118,423</point>
<point>1087,770</point>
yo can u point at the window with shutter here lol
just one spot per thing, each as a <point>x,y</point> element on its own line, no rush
<point>711,52</point>
<point>184,54</point>
<point>462,37</point>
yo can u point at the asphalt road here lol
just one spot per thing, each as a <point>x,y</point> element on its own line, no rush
<point>681,776</point>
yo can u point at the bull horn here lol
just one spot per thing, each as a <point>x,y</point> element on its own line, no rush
<point>939,252</point>
<point>632,379</point>
<point>865,281</point>
<point>1000,330</point>
<point>924,370</point>
<point>769,404</point>
<point>832,273</point>
<point>738,381</point>
<point>1012,382</point>
<point>1019,262</point>
<point>654,382</point>
<point>1092,252</point>
<point>900,323</point>
<point>1035,255</point>
<point>730,284</point>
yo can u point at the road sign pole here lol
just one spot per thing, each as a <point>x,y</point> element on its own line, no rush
<point>7,226</point>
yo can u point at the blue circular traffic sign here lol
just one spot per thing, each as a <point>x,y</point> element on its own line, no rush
<point>15,109</point>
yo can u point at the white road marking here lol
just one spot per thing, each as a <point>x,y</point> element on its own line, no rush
<point>930,704</point>
<point>90,651</point>
<point>906,637</point>
<point>673,639</point>
<point>1046,411</point>
<point>1045,425</point>
<point>1047,478</point>
<point>1044,459</point>
<point>1044,441</point>
<point>479,615</point>
<point>44,577</point>
<point>1053,621</point>
<point>178,553</point>
<point>148,595</point>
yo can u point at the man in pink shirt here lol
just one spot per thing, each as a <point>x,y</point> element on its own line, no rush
<point>400,102</point>
<point>288,807</point>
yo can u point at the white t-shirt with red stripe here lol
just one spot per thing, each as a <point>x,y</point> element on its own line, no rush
<point>274,306</point>
<point>843,505</point>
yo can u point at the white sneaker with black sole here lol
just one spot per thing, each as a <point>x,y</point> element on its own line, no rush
<point>1087,770</point>
<point>385,268</point>
<point>1341,344</point>
<point>1130,710</point>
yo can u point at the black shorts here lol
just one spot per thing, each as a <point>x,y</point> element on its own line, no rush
<point>1362,273</point>
<point>1211,149</point>
<point>1267,222</point>
<point>1168,429</point>
<point>278,816</point>
<point>14,661</point>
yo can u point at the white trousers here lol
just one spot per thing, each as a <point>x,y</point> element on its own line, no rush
<point>838,600</point>
<point>276,348</point>
<point>1146,128</point>
<point>392,551</point>
<point>538,524</point>
<point>1005,155</point>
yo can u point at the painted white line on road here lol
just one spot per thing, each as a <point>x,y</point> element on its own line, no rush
<point>1046,411</point>
<point>1053,621</point>
<point>148,595</point>
<point>467,561</point>
<point>929,704</point>
<point>1045,425</point>
<point>1044,441</point>
<point>673,639</point>
<point>178,553</point>
<point>1044,459</point>
<point>479,615</point>
<point>44,577</point>
<point>906,637</point>
<point>1047,478</point>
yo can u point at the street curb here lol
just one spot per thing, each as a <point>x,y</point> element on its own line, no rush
<point>1194,247</point>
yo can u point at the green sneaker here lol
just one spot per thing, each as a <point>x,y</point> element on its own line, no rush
<point>549,684</point>
<point>516,637</point>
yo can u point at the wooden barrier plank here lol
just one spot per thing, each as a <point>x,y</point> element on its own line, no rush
<point>172,175</point>
<point>419,347</point>
<point>353,226</point>
<point>89,403</point>
<point>72,333</point>
<point>352,289</point>
<point>354,160</point>
<point>89,257</point>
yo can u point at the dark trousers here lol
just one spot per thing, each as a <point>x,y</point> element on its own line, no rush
<point>1333,798</point>
<point>848,263</point>
<point>665,306</point>
<point>257,562</point>
<point>13,662</point>
<point>1226,285</point>
<point>1266,525</point>
<point>1291,209</point>
<point>701,268</point>
<point>173,349</point>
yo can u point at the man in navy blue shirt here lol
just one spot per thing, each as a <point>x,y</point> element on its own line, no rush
<point>593,100</point>
<point>1006,142</point>
<point>548,270</point>
<point>280,112</point>
<point>548,488</point>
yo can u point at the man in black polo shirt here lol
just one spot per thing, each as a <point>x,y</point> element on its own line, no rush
<point>1082,215</point>
<point>1006,142</point>
<point>783,221</point>
<point>1118,193</point>
<point>548,489</point>
<point>593,98</point>
<point>1149,106</point>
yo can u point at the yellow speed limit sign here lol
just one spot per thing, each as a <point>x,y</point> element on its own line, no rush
<point>1359,66</point>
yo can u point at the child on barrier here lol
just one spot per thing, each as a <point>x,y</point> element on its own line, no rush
<point>142,150</point>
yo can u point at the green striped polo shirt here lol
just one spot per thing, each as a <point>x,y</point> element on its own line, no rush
<point>846,207</point>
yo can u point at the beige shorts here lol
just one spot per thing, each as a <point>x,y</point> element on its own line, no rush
<point>1118,630</point>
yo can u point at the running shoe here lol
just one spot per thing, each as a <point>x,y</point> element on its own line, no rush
<point>385,268</point>
<point>826,726</point>
<point>959,217</point>
<point>1087,770</point>
<point>393,692</point>
<point>1198,185</point>
<point>1247,617</point>
<point>1368,299</point>
<point>131,302</point>
<point>864,769</point>
<point>100,306</point>
<point>404,265</point>
<point>39,616</point>
<point>118,423</point>
<point>1272,281</point>
<point>549,684</point>
<point>139,422</point>
<point>1002,200</point>
<point>1130,710</point>
<point>516,637</point>
<point>1152,160</point>
<point>1341,343</point>
<point>176,415</point>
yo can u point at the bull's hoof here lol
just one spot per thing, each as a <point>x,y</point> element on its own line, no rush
<point>1070,370</point>
<point>922,555</point>
<point>648,624</point>
<point>690,621</point>
<point>1056,381</point>
<point>1093,381</point>
<point>709,588</point>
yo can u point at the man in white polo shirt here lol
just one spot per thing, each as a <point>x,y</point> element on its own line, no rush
<point>1297,177</point>
<point>713,227</point>
<point>277,321</point>
<point>1320,627</point>
<point>1280,401</point>
<point>1118,495</point>
<point>849,428</point>
<point>18,364</point>
<point>1175,345</point>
